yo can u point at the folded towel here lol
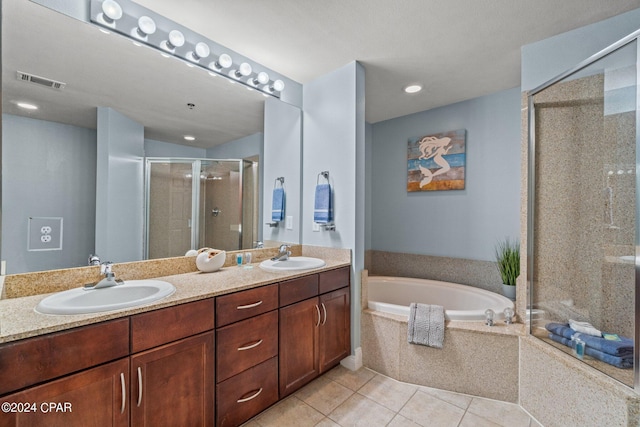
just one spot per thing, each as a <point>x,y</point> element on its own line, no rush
<point>625,362</point>
<point>621,348</point>
<point>277,206</point>
<point>323,211</point>
<point>426,325</point>
<point>584,328</point>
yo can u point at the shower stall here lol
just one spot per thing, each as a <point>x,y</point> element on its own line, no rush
<point>195,203</point>
<point>583,206</point>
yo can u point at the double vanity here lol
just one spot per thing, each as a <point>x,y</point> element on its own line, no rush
<point>220,349</point>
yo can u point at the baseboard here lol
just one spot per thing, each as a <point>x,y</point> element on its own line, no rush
<point>353,362</point>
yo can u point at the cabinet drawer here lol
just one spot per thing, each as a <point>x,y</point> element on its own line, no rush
<point>300,289</point>
<point>162,326</point>
<point>245,344</point>
<point>27,362</point>
<point>334,279</point>
<point>242,305</point>
<point>245,395</point>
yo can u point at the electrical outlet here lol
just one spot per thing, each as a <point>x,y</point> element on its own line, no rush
<point>44,234</point>
<point>316,226</point>
<point>289,223</point>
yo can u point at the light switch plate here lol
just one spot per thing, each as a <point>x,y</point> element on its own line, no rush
<point>289,223</point>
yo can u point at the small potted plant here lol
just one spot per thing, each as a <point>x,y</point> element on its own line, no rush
<point>508,260</point>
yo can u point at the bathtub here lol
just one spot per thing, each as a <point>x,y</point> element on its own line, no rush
<point>460,302</point>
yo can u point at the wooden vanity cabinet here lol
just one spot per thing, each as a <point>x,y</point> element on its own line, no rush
<point>173,385</point>
<point>95,397</point>
<point>314,329</point>
<point>172,368</point>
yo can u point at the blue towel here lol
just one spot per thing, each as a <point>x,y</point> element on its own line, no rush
<point>277,206</point>
<point>323,211</point>
<point>619,362</point>
<point>621,348</point>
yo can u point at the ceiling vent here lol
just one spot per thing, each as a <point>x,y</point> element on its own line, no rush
<point>26,77</point>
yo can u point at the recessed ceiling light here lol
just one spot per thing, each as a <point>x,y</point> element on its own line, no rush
<point>189,138</point>
<point>27,106</point>
<point>413,88</point>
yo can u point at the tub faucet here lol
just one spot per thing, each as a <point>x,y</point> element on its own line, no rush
<point>283,253</point>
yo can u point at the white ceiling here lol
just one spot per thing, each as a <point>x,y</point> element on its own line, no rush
<point>458,49</point>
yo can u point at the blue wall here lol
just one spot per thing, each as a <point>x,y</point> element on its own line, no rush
<point>48,170</point>
<point>242,148</point>
<point>459,223</point>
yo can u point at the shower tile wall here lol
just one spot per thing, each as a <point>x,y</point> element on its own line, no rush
<point>585,207</point>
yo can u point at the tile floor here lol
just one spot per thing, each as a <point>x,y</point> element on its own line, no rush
<point>366,398</point>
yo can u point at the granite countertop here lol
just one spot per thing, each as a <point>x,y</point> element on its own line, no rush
<point>18,320</point>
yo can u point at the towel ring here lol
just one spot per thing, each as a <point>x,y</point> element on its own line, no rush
<point>325,175</point>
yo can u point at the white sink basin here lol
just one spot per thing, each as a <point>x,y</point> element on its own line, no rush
<point>131,293</point>
<point>293,263</point>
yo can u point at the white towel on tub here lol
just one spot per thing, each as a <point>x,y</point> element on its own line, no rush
<point>426,325</point>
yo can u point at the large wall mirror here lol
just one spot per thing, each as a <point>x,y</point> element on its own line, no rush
<point>49,154</point>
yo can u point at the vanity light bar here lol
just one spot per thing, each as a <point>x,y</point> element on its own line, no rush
<point>142,25</point>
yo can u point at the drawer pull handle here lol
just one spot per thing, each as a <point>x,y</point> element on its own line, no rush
<point>244,307</point>
<point>249,347</point>
<point>324,309</point>
<point>124,393</point>
<point>253,396</point>
<point>319,317</point>
<point>139,386</point>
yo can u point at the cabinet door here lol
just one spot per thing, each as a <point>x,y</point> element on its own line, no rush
<point>173,385</point>
<point>298,345</point>
<point>335,328</point>
<point>95,397</point>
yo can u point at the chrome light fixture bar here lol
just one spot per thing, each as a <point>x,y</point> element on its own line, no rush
<point>145,26</point>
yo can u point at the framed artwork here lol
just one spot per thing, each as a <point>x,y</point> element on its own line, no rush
<point>437,161</point>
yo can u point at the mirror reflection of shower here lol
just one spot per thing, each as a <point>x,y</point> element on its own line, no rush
<point>217,209</point>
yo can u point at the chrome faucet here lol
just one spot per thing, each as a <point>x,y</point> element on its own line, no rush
<point>109,277</point>
<point>94,259</point>
<point>259,245</point>
<point>283,253</point>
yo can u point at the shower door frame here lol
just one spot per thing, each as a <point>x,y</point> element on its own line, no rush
<point>196,165</point>
<point>633,37</point>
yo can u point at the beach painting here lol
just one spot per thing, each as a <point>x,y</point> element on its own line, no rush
<point>437,161</point>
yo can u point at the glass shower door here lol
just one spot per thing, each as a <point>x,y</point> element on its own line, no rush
<point>169,206</point>
<point>583,213</point>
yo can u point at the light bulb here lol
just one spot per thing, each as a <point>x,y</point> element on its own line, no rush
<point>146,26</point>
<point>224,61</point>
<point>111,11</point>
<point>243,70</point>
<point>200,51</point>
<point>176,39</point>
<point>278,85</point>
<point>262,78</point>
